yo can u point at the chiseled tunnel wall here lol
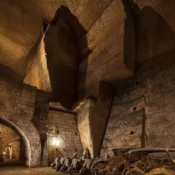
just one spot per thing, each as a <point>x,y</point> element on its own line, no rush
<point>142,111</point>
<point>143,114</point>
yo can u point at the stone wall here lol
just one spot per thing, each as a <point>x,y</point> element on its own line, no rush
<point>160,113</point>
<point>36,73</point>
<point>142,114</point>
<point>84,127</point>
<point>93,117</point>
<point>40,121</point>
<point>107,50</point>
<point>19,35</point>
<point>63,135</point>
<point>17,106</point>
<point>62,56</point>
<point>155,32</point>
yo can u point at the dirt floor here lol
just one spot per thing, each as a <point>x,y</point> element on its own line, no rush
<point>20,170</point>
<point>12,163</point>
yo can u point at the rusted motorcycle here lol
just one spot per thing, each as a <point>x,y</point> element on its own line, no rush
<point>114,165</point>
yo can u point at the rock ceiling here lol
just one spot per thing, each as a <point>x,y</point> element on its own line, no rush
<point>106,45</point>
<point>21,24</point>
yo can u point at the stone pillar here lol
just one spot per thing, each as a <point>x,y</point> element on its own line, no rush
<point>93,118</point>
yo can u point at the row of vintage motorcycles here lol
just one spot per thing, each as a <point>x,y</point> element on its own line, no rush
<point>140,161</point>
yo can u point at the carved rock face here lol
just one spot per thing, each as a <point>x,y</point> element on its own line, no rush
<point>20,26</point>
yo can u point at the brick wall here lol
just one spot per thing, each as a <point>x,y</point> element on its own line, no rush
<point>17,106</point>
<point>63,128</point>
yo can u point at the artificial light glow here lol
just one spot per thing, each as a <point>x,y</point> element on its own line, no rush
<point>4,153</point>
<point>56,142</point>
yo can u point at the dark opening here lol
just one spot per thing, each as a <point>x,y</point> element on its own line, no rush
<point>45,25</point>
<point>132,133</point>
<point>137,82</point>
<point>134,108</point>
<point>12,146</point>
<point>58,132</point>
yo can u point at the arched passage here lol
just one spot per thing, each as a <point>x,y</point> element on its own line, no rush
<point>28,133</point>
<point>12,147</point>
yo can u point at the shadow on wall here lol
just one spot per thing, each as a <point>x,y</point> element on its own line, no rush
<point>63,55</point>
<point>155,50</point>
<point>129,38</point>
<point>9,74</point>
<point>155,39</point>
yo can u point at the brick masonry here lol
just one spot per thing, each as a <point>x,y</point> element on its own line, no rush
<point>63,127</point>
<point>17,106</point>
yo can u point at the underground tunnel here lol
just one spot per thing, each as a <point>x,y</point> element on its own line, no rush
<point>12,147</point>
<point>87,87</point>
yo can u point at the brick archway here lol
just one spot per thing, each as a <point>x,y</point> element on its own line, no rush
<point>30,136</point>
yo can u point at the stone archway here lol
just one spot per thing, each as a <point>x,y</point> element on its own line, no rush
<point>30,136</point>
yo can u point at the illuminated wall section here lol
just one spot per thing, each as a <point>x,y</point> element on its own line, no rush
<point>63,136</point>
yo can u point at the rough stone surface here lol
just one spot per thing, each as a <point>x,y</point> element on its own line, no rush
<point>62,127</point>
<point>93,117</point>
<point>17,107</point>
<point>18,36</point>
<point>36,72</point>
<point>160,115</point>
<point>62,56</point>
<point>154,28</point>
<point>149,95</point>
<point>88,41</point>
<point>99,115</point>
<point>103,50</point>
<point>142,115</point>
<point>93,9</point>
<point>97,24</point>
<point>83,121</point>
<point>40,120</point>
<point>21,46</point>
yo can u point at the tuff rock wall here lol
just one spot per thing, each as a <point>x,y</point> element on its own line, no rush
<point>142,111</point>
<point>142,115</point>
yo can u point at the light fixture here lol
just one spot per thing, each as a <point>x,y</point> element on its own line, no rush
<point>56,141</point>
<point>4,153</point>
